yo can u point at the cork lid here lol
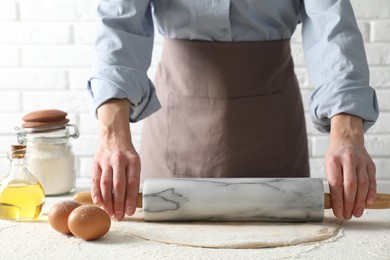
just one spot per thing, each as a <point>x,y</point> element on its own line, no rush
<point>45,118</point>
<point>18,151</point>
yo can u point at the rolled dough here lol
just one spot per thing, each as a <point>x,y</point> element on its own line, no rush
<point>229,234</point>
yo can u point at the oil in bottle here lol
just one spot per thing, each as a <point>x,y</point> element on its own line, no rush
<point>21,195</point>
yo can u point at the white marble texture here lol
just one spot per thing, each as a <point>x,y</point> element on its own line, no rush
<point>234,199</point>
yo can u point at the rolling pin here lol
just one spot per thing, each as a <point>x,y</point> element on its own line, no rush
<point>234,199</point>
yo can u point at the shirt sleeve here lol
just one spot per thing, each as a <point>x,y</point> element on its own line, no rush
<point>122,56</point>
<point>336,62</point>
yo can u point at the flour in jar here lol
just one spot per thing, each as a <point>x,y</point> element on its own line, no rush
<point>53,165</point>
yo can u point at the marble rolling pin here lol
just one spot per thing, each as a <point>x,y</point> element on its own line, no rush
<point>234,199</point>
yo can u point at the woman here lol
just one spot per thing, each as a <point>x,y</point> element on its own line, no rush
<point>230,102</point>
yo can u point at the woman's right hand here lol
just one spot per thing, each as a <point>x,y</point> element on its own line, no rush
<point>116,168</point>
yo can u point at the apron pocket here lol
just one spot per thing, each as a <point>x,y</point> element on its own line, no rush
<point>235,137</point>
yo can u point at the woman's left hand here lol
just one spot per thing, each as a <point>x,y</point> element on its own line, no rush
<point>349,168</point>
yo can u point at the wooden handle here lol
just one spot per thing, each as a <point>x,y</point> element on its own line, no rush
<point>84,198</point>
<point>382,201</point>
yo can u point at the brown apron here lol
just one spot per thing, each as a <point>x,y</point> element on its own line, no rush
<point>228,110</point>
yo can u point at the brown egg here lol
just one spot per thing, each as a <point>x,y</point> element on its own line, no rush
<point>84,198</point>
<point>59,213</point>
<point>89,222</point>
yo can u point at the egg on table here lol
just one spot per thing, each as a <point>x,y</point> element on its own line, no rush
<point>59,213</point>
<point>89,222</point>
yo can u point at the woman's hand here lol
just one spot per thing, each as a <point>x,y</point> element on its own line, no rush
<point>349,168</point>
<point>116,168</point>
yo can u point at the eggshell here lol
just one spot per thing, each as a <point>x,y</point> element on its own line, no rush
<point>89,222</point>
<point>59,213</point>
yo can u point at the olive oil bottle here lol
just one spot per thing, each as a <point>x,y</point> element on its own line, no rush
<point>21,194</point>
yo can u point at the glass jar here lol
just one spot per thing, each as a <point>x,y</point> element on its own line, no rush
<point>50,158</point>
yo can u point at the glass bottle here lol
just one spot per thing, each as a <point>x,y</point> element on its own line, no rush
<point>21,195</point>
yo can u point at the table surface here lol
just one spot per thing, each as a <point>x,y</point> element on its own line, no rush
<point>365,238</point>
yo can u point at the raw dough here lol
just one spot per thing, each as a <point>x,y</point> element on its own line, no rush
<point>229,234</point>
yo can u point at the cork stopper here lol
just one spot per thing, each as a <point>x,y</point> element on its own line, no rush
<point>18,151</point>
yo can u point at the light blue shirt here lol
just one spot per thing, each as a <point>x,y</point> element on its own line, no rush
<point>332,43</point>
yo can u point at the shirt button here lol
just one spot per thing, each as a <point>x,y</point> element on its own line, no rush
<point>224,31</point>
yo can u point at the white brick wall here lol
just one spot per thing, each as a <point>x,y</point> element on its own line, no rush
<point>45,53</point>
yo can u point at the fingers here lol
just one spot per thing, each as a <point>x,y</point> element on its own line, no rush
<point>362,191</point>
<point>371,172</point>
<point>106,190</point>
<point>95,186</point>
<point>115,182</point>
<point>132,186</point>
<point>335,181</point>
<point>350,187</point>
<point>352,183</point>
<point>119,191</point>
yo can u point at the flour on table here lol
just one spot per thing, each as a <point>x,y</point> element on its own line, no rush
<point>229,234</point>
